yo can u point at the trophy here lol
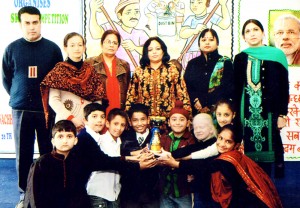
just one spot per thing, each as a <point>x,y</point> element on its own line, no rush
<point>155,140</point>
<point>156,122</point>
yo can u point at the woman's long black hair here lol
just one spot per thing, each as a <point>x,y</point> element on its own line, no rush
<point>145,61</point>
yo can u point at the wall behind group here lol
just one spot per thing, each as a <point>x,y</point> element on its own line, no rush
<point>157,18</point>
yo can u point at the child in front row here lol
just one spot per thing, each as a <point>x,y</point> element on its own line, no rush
<point>138,190</point>
<point>205,132</point>
<point>58,179</point>
<point>235,180</point>
<point>225,114</point>
<point>104,186</point>
<point>174,187</point>
<point>95,158</point>
<point>138,135</point>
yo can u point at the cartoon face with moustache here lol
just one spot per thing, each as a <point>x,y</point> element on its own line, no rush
<point>130,15</point>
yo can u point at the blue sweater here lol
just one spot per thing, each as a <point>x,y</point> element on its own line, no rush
<point>19,55</point>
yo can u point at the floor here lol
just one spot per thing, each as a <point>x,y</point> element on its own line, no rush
<point>288,187</point>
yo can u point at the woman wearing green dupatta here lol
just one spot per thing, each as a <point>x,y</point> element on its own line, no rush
<point>262,91</point>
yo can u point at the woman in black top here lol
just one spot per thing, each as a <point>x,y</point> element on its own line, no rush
<point>209,76</point>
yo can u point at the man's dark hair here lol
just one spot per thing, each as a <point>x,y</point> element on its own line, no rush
<point>30,10</point>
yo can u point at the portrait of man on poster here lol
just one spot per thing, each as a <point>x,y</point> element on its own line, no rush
<point>287,37</point>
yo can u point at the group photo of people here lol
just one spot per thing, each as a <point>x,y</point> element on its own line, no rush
<point>138,124</point>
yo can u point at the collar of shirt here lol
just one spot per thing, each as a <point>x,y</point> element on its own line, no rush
<point>144,135</point>
<point>107,135</point>
<point>94,134</point>
<point>33,40</point>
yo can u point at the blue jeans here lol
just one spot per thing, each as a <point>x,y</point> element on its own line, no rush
<point>197,201</point>
<point>28,125</point>
<point>97,202</point>
<point>168,201</point>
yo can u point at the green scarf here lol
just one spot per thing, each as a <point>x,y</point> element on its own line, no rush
<point>268,53</point>
<point>217,74</point>
<point>175,142</point>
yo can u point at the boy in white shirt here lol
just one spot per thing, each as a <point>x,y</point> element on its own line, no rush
<point>104,186</point>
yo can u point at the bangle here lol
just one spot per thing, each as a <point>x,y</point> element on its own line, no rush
<point>196,99</point>
<point>283,116</point>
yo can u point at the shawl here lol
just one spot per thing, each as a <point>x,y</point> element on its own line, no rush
<point>258,182</point>
<point>217,74</point>
<point>85,83</point>
<point>268,53</point>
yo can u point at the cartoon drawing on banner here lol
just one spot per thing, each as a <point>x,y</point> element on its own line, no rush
<point>137,20</point>
<point>167,17</point>
<point>128,14</point>
<point>285,33</point>
<point>153,10</point>
<point>200,20</point>
<point>178,7</point>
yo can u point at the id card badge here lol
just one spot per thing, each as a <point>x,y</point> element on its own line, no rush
<point>32,72</point>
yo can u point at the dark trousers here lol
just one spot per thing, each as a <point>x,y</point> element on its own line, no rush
<point>142,200</point>
<point>278,149</point>
<point>28,125</point>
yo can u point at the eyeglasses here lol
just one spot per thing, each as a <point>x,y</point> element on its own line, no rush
<point>290,33</point>
<point>109,42</point>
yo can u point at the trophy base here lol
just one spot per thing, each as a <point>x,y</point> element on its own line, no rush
<point>156,149</point>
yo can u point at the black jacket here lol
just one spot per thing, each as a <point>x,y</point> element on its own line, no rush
<point>144,183</point>
<point>197,77</point>
<point>54,181</point>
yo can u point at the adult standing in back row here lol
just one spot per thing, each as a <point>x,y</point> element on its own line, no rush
<point>114,72</point>
<point>157,83</point>
<point>208,77</point>
<point>72,84</point>
<point>25,63</point>
<point>262,90</point>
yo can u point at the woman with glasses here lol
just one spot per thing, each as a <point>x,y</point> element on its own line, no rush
<point>114,72</point>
